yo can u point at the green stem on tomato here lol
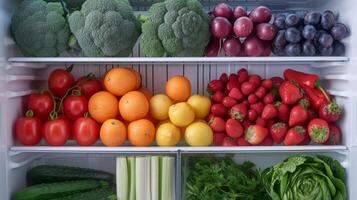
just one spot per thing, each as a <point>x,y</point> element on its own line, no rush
<point>29,113</point>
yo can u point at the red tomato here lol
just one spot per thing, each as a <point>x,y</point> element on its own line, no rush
<point>41,104</point>
<point>85,131</point>
<point>60,81</point>
<point>28,130</point>
<point>74,107</point>
<point>56,132</point>
<point>89,85</point>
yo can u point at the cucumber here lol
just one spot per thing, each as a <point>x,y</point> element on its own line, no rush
<point>57,190</point>
<point>105,193</point>
<point>52,173</point>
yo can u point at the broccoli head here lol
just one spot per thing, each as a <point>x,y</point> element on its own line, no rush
<point>105,28</point>
<point>40,29</point>
<point>175,28</point>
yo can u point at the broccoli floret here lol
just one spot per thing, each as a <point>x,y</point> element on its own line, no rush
<point>175,28</point>
<point>105,27</point>
<point>40,29</point>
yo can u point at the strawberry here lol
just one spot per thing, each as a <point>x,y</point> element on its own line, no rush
<point>260,121</point>
<point>267,84</point>
<point>330,112</point>
<point>268,141</point>
<point>218,139</point>
<point>243,75</point>
<point>295,135</point>
<point>233,128</point>
<point>228,141</point>
<point>335,135</point>
<point>239,112</point>
<point>269,98</point>
<point>298,113</point>
<point>252,99</point>
<point>232,83</point>
<point>223,78</point>
<point>246,123</point>
<point>242,142</point>
<point>306,140</point>
<point>245,102</point>
<point>255,134</point>
<point>255,79</point>
<point>252,115</point>
<point>270,123</point>
<point>217,97</point>
<point>247,88</point>
<point>318,130</point>
<point>228,102</point>
<point>283,111</point>
<point>233,77</point>
<point>269,112</point>
<point>217,124</point>
<point>214,86</point>
<point>278,132</point>
<point>277,80</point>
<point>311,114</point>
<point>236,94</point>
<point>218,110</point>
<point>260,92</point>
<point>258,107</point>
<point>290,93</point>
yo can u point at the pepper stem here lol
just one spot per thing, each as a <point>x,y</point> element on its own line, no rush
<point>29,113</point>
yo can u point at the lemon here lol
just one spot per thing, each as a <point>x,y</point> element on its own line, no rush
<point>198,134</point>
<point>168,135</point>
<point>159,106</point>
<point>200,104</point>
<point>181,114</point>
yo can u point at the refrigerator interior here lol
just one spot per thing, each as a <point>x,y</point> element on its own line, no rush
<point>19,77</point>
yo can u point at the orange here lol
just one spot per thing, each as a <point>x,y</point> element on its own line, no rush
<point>178,88</point>
<point>119,81</point>
<point>113,133</point>
<point>141,132</point>
<point>133,106</point>
<point>138,78</point>
<point>146,92</point>
<point>102,106</point>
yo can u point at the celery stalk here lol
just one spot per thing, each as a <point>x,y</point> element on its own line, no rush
<point>122,178</point>
<point>155,173</point>
<point>142,182</point>
<point>131,164</point>
<point>168,178</point>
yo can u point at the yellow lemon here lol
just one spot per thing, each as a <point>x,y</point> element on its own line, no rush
<point>181,114</point>
<point>198,134</point>
<point>159,106</point>
<point>167,135</point>
<point>200,104</point>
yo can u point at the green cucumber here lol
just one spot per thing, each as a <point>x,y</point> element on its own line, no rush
<point>105,193</point>
<point>52,173</point>
<point>56,190</point>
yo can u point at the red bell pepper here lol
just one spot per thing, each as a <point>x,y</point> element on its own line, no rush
<point>315,96</point>
<point>303,79</point>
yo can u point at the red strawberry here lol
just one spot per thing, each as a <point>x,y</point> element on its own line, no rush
<point>233,77</point>
<point>270,123</point>
<point>295,135</point>
<point>289,93</point>
<point>218,139</point>
<point>229,102</point>
<point>278,132</point>
<point>260,121</point>
<point>255,79</point>
<point>311,114</point>
<point>298,113</point>
<point>252,115</point>
<point>232,83</point>
<point>247,88</point>
<point>246,123</point>
<point>318,130</point>
<point>214,86</point>
<point>331,112</point>
<point>217,97</point>
<point>277,80</point>
<point>239,112</point>
<point>283,111</point>
<point>252,99</point>
<point>267,84</point>
<point>228,141</point>
<point>218,110</point>
<point>217,124</point>
<point>258,107</point>
<point>268,141</point>
<point>243,75</point>
<point>223,78</point>
<point>269,112</point>
<point>242,142</point>
<point>335,135</point>
<point>245,102</point>
<point>306,140</point>
<point>236,94</point>
<point>255,134</point>
<point>233,128</point>
<point>269,98</point>
<point>260,92</point>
